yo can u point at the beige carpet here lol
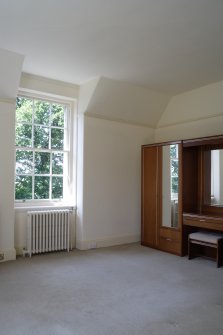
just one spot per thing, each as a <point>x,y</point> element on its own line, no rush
<point>124,290</point>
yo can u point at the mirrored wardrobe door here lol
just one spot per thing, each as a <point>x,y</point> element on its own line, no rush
<point>170,185</point>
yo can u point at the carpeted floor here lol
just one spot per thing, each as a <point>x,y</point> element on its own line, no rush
<point>125,290</point>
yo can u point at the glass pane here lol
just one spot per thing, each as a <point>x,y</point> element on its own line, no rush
<point>174,187</point>
<point>57,115</point>
<point>170,182</point>
<point>213,177</point>
<point>23,135</point>
<point>24,110</point>
<point>57,187</point>
<point>24,161</point>
<point>57,163</point>
<point>173,151</point>
<point>41,137</point>
<point>23,187</point>
<point>41,188</point>
<point>42,112</point>
<point>57,138</point>
<point>42,162</point>
<point>174,167</point>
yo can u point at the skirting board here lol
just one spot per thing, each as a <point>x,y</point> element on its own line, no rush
<point>102,243</point>
<point>9,255</point>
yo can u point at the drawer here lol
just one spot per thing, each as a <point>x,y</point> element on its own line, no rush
<point>170,245</point>
<point>170,240</point>
<point>170,233</point>
<point>203,222</point>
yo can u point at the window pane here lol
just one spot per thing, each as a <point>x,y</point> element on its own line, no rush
<point>42,112</point>
<point>174,150</point>
<point>42,162</point>
<point>24,110</point>
<point>23,187</point>
<point>57,163</point>
<point>41,188</point>
<point>174,167</point>
<point>174,185</point>
<point>57,114</point>
<point>57,187</point>
<point>57,138</point>
<point>23,135</point>
<point>24,161</point>
<point>41,137</point>
<point>40,133</point>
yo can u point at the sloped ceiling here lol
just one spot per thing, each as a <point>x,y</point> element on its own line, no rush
<point>114,100</point>
<point>202,103</point>
<point>10,69</point>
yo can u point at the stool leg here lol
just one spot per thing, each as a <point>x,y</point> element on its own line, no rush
<point>218,260</point>
<point>190,250</point>
<point>219,253</point>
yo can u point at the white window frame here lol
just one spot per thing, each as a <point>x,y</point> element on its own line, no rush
<point>70,146</point>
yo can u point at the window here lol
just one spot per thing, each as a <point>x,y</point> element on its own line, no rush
<point>42,149</point>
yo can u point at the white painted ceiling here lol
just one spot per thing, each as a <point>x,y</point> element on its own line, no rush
<point>166,45</point>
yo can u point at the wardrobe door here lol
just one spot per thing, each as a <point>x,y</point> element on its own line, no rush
<point>150,170</point>
<point>170,198</point>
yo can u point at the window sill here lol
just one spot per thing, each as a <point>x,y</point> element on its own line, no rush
<point>24,206</point>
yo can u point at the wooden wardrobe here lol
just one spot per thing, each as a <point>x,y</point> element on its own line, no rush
<point>161,208</point>
<point>182,191</point>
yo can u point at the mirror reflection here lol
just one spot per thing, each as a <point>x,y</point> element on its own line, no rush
<point>216,178</point>
<point>170,185</point>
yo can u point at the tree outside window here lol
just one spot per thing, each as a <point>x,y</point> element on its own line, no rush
<point>41,153</point>
<point>174,166</point>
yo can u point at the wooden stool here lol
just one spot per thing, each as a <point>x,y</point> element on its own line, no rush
<point>208,239</point>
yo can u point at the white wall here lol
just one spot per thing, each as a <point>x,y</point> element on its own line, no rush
<point>111,183</point>
<point>115,119</point>
<point>10,69</point>
<point>7,131</point>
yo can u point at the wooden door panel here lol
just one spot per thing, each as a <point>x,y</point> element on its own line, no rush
<point>149,195</point>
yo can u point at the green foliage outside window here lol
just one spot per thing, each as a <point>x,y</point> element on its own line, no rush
<point>39,144</point>
<point>174,168</point>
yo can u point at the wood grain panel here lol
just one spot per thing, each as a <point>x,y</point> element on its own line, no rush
<point>149,195</point>
<point>204,222</point>
<point>190,180</point>
<point>170,245</point>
